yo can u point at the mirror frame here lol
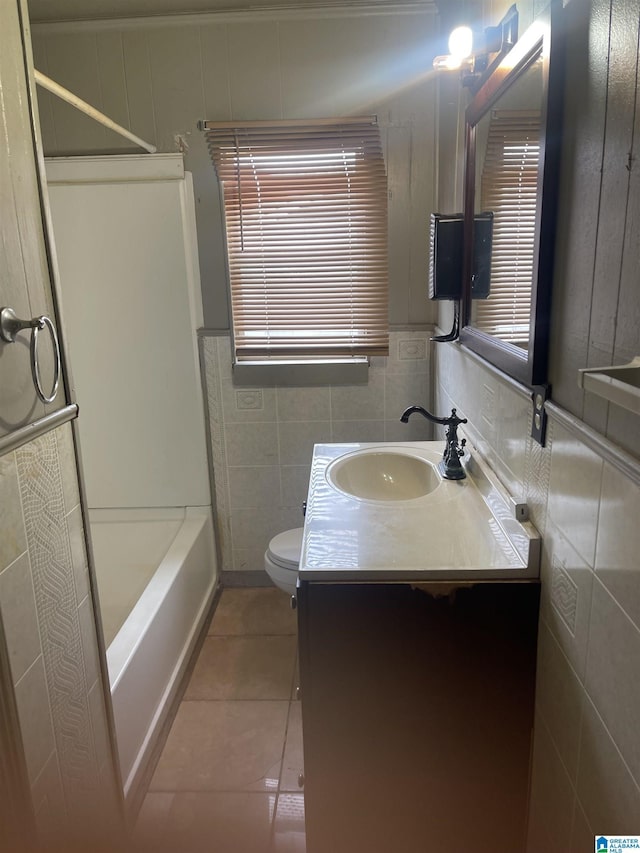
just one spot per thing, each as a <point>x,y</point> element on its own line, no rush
<point>543,38</point>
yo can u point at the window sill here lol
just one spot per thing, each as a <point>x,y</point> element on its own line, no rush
<point>350,371</point>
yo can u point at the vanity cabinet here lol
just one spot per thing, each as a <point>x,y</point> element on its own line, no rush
<point>417,715</point>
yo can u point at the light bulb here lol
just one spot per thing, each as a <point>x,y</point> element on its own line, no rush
<point>461,42</point>
<point>447,63</point>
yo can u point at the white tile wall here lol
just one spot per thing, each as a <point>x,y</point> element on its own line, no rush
<point>48,800</point>
<point>13,541</point>
<point>581,836</point>
<point>559,699</point>
<point>567,583</point>
<point>605,788</point>
<point>574,491</point>
<point>262,439</point>
<point>551,811</point>
<point>612,674</point>
<point>19,615</point>
<point>618,549</point>
<point>586,776</point>
<point>47,614</point>
<point>36,724</point>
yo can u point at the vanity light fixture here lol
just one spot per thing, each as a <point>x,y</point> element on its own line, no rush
<point>475,54</point>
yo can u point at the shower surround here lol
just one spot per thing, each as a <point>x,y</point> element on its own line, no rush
<point>124,228</point>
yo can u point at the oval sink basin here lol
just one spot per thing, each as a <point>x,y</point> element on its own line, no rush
<point>383,475</point>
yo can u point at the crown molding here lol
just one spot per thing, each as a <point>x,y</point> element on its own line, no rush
<point>317,11</point>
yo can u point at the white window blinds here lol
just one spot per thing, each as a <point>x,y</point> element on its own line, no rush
<point>509,189</point>
<point>306,223</point>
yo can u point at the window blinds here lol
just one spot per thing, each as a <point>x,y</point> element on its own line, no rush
<point>509,184</point>
<point>306,223</point>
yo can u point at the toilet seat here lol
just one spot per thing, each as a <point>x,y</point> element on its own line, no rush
<point>285,548</point>
<point>282,559</point>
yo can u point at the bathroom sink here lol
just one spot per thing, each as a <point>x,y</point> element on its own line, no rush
<point>382,512</point>
<point>383,475</point>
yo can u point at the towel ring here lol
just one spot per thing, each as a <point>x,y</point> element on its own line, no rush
<point>10,325</point>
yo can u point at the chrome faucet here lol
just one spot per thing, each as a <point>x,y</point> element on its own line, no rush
<point>449,466</point>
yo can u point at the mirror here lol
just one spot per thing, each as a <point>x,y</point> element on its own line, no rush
<point>511,166</point>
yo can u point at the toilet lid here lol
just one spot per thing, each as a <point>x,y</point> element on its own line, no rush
<point>285,548</point>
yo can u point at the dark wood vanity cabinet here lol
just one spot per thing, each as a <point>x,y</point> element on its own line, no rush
<point>417,716</point>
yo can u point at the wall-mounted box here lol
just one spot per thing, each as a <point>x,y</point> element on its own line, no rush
<point>446,254</point>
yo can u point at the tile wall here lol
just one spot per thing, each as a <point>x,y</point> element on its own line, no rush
<point>262,438</point>
<point>46,607</point>
<point>45,597</point>
<point>586,769</point>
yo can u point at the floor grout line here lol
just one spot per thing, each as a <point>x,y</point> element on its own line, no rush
<point>289,698</point>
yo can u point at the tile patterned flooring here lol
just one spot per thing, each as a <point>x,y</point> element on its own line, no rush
<point>227,778</point>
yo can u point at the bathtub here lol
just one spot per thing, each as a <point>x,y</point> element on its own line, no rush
<point>156,572</point>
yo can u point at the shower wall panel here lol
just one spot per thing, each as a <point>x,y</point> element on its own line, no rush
<point>129,275</point>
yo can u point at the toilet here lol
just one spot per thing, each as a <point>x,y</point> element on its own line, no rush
<point>282,558</point>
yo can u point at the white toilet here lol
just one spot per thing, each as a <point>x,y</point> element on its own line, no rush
<point>282,559</point>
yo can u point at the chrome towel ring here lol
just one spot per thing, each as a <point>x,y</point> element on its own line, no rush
<point>10,325</point>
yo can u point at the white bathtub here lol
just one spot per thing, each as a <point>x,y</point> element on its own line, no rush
<point>156,572</point>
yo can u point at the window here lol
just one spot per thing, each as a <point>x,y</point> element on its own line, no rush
<point>305,207</point>
<point>509,188</point>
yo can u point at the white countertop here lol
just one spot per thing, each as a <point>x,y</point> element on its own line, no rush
<point>465,530</point>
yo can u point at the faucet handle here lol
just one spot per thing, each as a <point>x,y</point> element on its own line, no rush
<point>454,419</point>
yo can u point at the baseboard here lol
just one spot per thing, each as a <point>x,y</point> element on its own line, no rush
<point>252,578</point>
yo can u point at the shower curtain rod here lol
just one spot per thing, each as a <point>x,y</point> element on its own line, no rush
<point>47,83</point>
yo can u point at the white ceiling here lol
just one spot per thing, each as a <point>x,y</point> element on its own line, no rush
<point>83,10</point>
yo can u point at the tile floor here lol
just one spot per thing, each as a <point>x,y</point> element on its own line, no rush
<point>227,778</point>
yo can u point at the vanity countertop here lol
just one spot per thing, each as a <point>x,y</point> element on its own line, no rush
<point>464,530</point>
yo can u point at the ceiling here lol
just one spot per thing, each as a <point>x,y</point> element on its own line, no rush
<point>41,11</point>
